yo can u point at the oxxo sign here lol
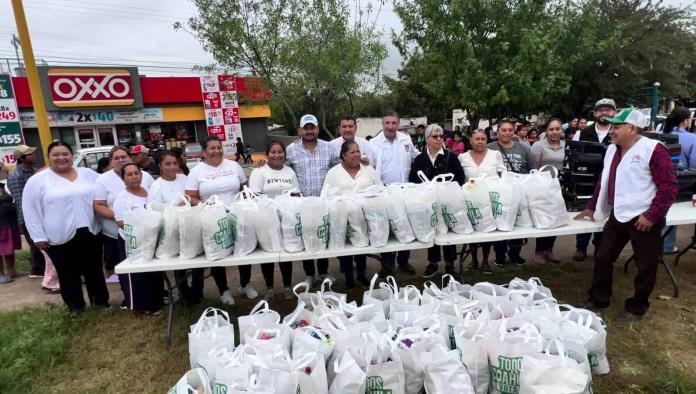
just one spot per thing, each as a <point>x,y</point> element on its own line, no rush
<point>79,87</point>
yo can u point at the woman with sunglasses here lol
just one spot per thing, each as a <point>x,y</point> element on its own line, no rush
<point>433,161</point>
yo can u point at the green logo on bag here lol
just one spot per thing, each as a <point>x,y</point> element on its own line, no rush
<point>506,376</point>
<point>473,213</point>
<point>433,216</point>
<point>131,240</point>
<point>323,230</point>
<point>392,226</point>
<point>450,330</point>
<point>375,385</point>
<point>298,226</point>
<point>297,390</point>
<point>449,218</point>
<point>349,231</point>
<point>592,358</point>
<point>519,212</point>
<point>220,388</point>
<point>496,205</point>
<point>160,234</point>
<point>233,226</point>
<point>225,237</point>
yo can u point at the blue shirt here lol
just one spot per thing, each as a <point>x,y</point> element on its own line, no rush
<point>688,148</point>
<point>15,182</point>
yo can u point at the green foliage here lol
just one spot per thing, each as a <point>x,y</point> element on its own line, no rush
<point>315,56</point>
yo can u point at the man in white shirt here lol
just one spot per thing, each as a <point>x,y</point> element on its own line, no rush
<point>348,127</point>
<point>393,152</point>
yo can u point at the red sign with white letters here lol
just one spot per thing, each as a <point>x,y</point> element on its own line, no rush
<point>97,87</point>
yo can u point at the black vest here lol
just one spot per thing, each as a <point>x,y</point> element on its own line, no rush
<point>589,134</point>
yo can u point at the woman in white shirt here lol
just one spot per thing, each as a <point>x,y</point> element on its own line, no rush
<point>224,178</point>
<point>163,192</point>
<point>273,179</point>
<point>351,175</point>
<point>143,290</point>
<point>108,185</point>
<point>59,215</point>
<point>481,161</point>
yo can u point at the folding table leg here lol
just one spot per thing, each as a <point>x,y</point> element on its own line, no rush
<point>671,277</point>
<point>170,311</point>
<point>692,245</point>
<point>661,260</point>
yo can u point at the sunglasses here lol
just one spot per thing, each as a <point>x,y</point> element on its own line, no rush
<point>438,137</point>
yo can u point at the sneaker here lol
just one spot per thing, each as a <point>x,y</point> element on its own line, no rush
<point>249,291</point>
<point>112,279</point>
<point>628,317</point>
<point>407,269</point>
<point>430,271</point>
<point>269,295</point>
<point>540,258</point>
<point>671,251</point>
<point>5,279</point>
<point>580,255</point>
<point>327,276</point>
<point>519,261</point>
<point>226,298</point>
<point>288,294</point>
<point>487,270</point>
<point>35,276</point>
<point>552,258</point>
<point>124,305</point>
<point>55,290</point>
<point>309,280</point>
<point>500,264</point>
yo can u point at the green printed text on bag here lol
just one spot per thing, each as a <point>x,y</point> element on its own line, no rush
<point>496,205</point>
<point>131,240</point>
<point>506,376</point>
<point>298,226</point>
<point>473,213</point>
<point>450,220</point>
<point>220,388</point>
<point>433,216</point>
<point>225,237</point>
<point>592,358</point>
<point>324,229</point>
<point>375,385</point>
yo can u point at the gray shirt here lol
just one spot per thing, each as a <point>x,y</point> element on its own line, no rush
<point>517,159</point>
<point>548,155</point>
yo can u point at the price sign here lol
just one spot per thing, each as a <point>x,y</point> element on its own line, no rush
<point>10,128</point>
<point>222,109</point>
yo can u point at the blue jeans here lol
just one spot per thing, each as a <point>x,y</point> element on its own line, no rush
<point>670,240</point>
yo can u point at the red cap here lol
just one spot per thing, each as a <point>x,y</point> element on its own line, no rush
<point>138,149</point>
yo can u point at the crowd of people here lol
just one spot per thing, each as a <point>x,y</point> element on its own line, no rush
<point>73,217</point>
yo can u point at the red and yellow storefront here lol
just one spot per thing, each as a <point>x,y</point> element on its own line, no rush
<point>171,114</point>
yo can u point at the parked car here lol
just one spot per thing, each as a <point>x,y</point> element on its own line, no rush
<point>89,157</point>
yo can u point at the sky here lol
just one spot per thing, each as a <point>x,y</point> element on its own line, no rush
<point>135,32</point>
<point>126,32</point>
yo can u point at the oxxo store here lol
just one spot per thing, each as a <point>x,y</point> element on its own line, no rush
<point>91,107</point>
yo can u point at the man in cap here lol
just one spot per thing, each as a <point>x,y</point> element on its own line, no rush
<point>637,186</point>
<point>599,131</point>
<point>15,182</point>
<point>139,155</point>
<point>347,128</point>
<point>311,158</point>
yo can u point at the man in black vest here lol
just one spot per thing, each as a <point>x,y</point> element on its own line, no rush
<point>599,131</point>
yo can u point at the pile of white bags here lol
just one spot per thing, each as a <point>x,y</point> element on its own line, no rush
<point>485,338</point>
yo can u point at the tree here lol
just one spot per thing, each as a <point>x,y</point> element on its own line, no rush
<point>312,55</point>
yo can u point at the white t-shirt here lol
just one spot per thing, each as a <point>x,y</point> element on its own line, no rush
<point>107,187</point>
<point>223,180</point>
<point>270,182</point>
<point>489,166</point>
<point>600,134</point>
<point>339,178</point>
<point>365,149</point>
<point>125,201</point>
<point>54,207</point>
<point>164,192</point>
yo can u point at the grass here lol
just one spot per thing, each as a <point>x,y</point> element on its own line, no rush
<point>46,350</point>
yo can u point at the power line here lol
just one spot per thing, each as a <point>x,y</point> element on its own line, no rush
<point>118,7</point>
<point>81,58</point>
<point>82,11</point>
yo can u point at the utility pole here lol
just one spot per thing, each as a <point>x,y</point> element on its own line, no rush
<point>15,43</point>
<point>32,75</point>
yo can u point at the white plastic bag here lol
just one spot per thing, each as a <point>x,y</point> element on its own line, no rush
<point>505,201</point>
<point>378,297</point>
<point>312,371</point>
<point>267,225</point>
<point>592,330</point>
<point>338,222</point>
<point>314,216</point>
<point>168,245</point>
<point>193,381</point>
<point>545,199</point>
<point>507,341</point>
<point>446,374</point>
<point>384,373</point>
<point>217,229</point>
<point>291,227</point>
<point>396,212</point>
<point>260,316</point>
<point>242,212</point>
<point>190,232</point>
<point>453,207</point>
<point>374,206</point>
<point>311,340</point>
<point>212,330</point>
<point>141,228</point>
<point>422,209</point>
<point>478,204</point>
<point>524,217</point>
<point>433,185</point>
<point>350,379</point>
<point>553,372</point>
<point>356,232</point>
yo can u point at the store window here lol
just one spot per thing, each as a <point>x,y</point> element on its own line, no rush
<point>67,135</point>
<point>180,132</point>
<point>126,134</point>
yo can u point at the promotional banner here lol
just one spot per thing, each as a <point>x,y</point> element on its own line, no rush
<point>10,129</point>
<point>222,110</point>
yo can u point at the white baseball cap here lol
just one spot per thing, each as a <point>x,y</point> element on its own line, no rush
<point>630,116</point>
<point>306,119</point>
<point>605,102</point>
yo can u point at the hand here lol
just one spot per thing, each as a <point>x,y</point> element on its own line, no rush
<point>259,163</point>
<point>42,245</point>
<point>643,224</point>
<point>365,161</point>
<point>585,213</point>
